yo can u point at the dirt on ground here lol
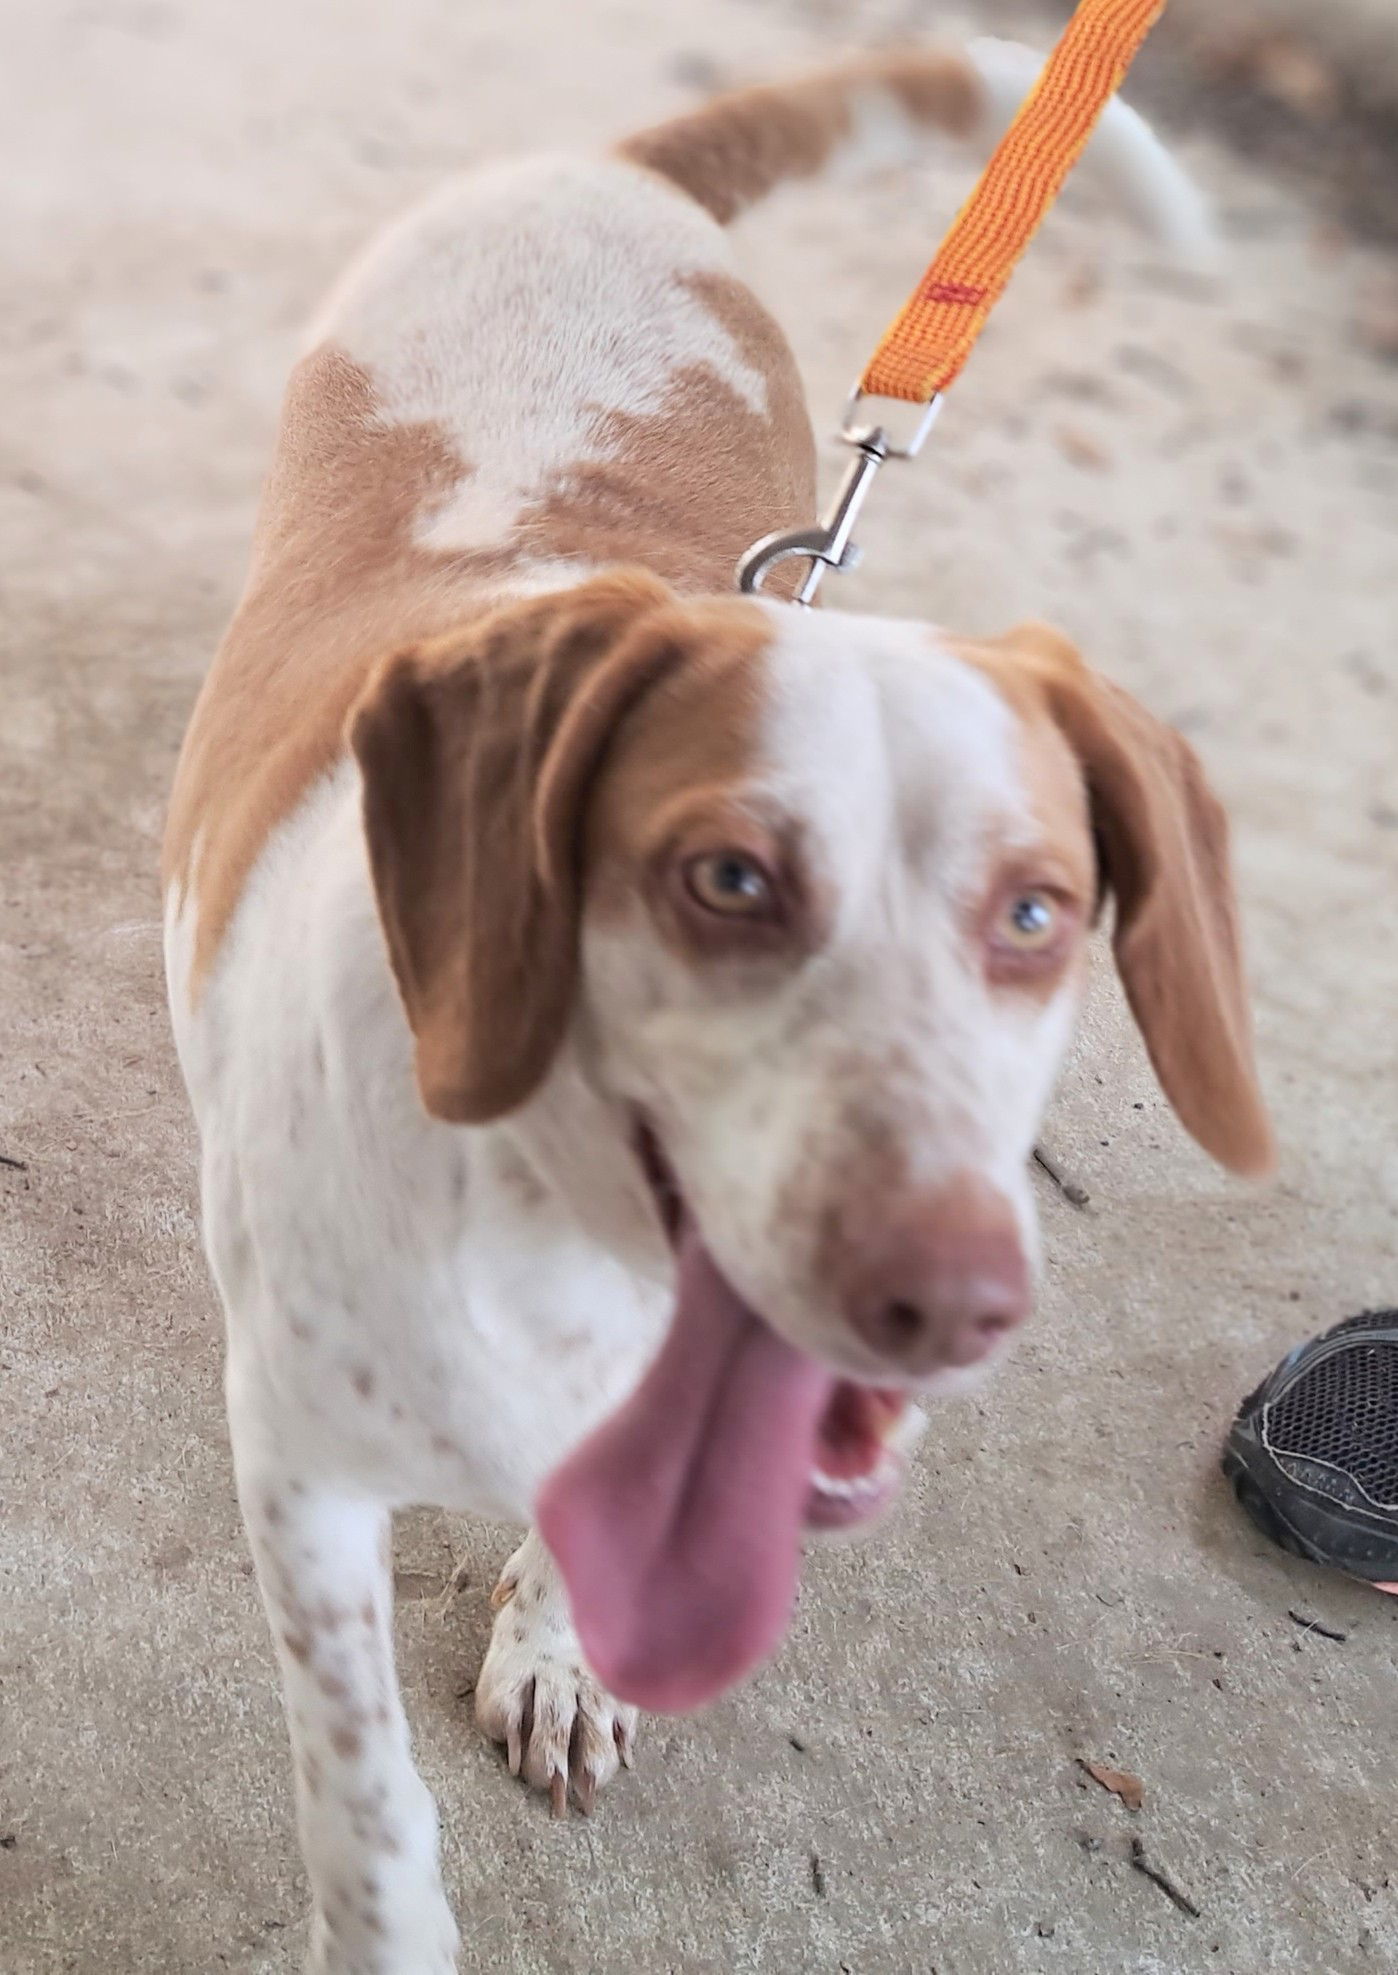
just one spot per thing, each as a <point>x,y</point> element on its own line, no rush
<point>1201,486</point>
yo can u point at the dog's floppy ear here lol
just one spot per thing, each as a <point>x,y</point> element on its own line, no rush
<point>1164,844</point>
<point>477,752</point>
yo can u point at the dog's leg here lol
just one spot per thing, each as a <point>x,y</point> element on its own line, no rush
<point>367,1821</point>
<point>535,1694</point>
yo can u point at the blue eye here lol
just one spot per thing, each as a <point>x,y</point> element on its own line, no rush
<point>731,883</point>
<point>1031,919</point>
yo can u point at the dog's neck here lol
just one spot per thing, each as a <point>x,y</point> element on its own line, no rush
<point>575,1143</point>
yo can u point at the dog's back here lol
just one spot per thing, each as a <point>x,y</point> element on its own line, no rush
<point>549,367</point>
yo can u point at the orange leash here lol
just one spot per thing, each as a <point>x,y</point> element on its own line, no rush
<point>928,341</point>
<point>923,349</point>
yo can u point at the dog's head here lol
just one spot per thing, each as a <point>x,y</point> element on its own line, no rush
<point>811,893</point>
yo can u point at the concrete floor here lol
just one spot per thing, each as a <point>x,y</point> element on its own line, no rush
<point>1202,490</point>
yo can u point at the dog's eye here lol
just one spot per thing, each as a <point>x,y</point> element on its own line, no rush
<point>732,883</point>
<point>1030,921</point>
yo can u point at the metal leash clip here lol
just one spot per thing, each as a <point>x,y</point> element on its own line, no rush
<point>828,545</point>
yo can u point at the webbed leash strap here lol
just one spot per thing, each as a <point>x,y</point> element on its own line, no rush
<point>925,346</point>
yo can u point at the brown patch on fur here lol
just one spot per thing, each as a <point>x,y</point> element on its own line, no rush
<point>335,579</point>
<point>737,149</point>
<point>685,490</point>
<point>298,1645</point>
<point>692,744</point>
<point>1164,842</point>
<point>362,1379</point>
<point>683,782</point>
<point>482,755</point>
<point>346,1742</point>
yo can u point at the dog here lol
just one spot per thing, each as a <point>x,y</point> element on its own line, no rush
<point>618,1011</point>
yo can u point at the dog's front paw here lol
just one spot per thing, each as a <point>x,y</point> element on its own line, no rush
<point>562,1731</point>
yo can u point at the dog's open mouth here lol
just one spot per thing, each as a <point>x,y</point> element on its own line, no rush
<point>678,1524</point>
<point>856,1461</point>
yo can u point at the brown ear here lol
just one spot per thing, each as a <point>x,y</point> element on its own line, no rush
<point>477,753</point>
<point>1164,842</point>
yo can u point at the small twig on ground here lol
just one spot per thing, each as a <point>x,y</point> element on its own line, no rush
<point>817,1875</point>
<point>1167,1885</point>
<point>15,1165</point>
<point>458,1582</point>
<point>1314,1625</point>
<point>1075,1195</point>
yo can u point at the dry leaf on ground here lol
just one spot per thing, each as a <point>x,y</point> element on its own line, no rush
<point>1120,1782</point>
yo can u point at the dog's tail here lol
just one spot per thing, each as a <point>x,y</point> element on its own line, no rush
<point>880,109</point>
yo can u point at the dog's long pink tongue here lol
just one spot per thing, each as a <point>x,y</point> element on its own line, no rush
<point>677,1525</point>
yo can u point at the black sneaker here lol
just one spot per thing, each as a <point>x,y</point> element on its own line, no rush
<point>1313,1453</point>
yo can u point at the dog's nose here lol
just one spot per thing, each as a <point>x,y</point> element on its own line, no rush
<point>939,1280</point>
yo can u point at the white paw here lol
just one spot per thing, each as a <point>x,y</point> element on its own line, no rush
<point>562,1731</point>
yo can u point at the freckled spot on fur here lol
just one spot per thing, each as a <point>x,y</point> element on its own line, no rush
<point>318,1058</point>
<point>332,1686</point>
<point>369,1886</point>
<point>300,1329</point>
<point>371,1921</point>
<point>298,1645</point>
<point>362,1379</point>
<point>442,1443</point>
<point>381,1715</point>
<point>395,1411</point>
<point>297,1487</point>
<point>368,1613</point>
<point>389,1844</point>
<point>519,1179</point>
<point>346,1741</point>
<point>310,1772</point>
<point>272,1511</point>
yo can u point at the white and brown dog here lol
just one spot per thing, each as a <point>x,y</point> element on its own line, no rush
<point>618,1012</point>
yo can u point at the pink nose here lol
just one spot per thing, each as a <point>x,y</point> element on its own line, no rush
<point>939,1280</point>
